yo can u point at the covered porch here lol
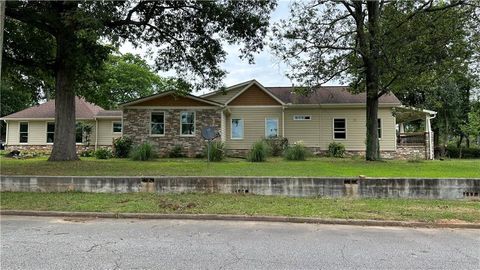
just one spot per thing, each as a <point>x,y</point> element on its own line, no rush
<point>414,130</point>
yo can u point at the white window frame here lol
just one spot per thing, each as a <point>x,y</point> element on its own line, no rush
<point>302,117</point>
<point>121,127</point>
<point>380,128</point>
<point>46,132</point>
<point>333,129</point>
<point>231,128</point>
<point>19,132</point>
<point>194,124</point>
<point>266,127</point>
<point>150,124</point>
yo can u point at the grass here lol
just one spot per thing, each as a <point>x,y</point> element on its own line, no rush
<point>240,167</point>
<point>212,203</point>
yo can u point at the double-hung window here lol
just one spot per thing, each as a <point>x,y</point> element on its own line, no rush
<point>271,127</point>
<point>157,123</point>
<point>237,129</point>
<point>79,132</point>
<point>50,132</point>
<point>23,132</point>
<point>187,123</point>
<point>339,128</point>
<point>379,121</point>
<point>117,127</point>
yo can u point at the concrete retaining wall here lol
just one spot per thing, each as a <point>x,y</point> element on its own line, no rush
<point>287,186</point>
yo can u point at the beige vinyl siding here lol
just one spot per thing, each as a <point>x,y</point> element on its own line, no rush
<point>223,97</point>
<point>356,128</point>
<point>254,124</point>
<point>105,132</point>
<point>37,132</point>
<point>307,131</point>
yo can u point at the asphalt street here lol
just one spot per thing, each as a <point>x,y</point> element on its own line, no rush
<point>57,243</point>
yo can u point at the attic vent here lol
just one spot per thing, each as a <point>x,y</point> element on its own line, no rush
<point>470,194</point>
<point>148,180</point>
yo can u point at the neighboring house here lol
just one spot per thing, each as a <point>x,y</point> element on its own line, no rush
<point>249,112</point>
<point>33,128</point>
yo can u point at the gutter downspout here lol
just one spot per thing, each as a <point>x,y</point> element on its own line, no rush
<point>96,133</point>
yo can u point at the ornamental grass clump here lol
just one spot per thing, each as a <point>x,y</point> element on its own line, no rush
<point>297,151</point>
<point>217,151</point>
<point>258,152</point>
<point>143,152</point>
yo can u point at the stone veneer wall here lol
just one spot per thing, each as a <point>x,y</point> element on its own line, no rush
<point>402,153</point>
<point>47,148</point>
<point>136,125</point>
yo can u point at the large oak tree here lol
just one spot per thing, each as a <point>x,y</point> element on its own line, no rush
<point>376,46</point>
<point>67,39</point>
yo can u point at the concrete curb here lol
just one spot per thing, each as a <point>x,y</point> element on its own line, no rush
<point>355,222</point>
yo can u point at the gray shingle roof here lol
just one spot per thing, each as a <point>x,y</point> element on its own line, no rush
<point>326,95</point>
<point>83,110</point>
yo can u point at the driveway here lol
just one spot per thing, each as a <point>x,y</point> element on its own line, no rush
<point>56,243</point>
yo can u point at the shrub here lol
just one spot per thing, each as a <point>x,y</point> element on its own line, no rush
<point>87,153</point>
<point>143,152</point>
<point>103,153</point>
<point>217,151</point>
<point>122,147</point>
<point>258,152</point>
<point>297,151</point>
<point>336,150</point>
<point>176,152</point>
<point>454,152</point>
<point>277,145</point>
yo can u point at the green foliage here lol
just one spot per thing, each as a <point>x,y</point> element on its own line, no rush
<point>87,153</point>
<point>143,152</point>
<point>217,151</point>
<point>415,159</point>
<point>122,147</point>
<point>103,153</point>
<point>336,150</point>
<point>258,152</point>
<point>297,151</point>
<point>277,145</point>
<point>176,152</point>
<point>454,152</point>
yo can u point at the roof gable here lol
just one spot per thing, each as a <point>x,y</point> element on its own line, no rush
<point>170,99</point>
<point>253,95</point>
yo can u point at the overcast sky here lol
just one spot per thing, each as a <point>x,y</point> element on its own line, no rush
<point>267,69</point>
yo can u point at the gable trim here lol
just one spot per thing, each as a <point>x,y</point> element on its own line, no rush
<point>140,100</point>
<point>254,82</point>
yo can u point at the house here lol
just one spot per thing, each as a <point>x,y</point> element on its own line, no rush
<point>33,128</point>
<point>242,114</point>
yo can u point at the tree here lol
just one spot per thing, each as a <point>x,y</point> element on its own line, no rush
<point>375,46</point>
<point>125,77</point>
<point>67,38</point>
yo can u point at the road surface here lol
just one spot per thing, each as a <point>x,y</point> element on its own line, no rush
<point>57,243</point>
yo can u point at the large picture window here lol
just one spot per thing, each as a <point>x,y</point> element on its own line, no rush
<point>157,123</point>
<point>24,132</point>
<point>237,128</point>
<point>339,128</point>
<point>271,127</point>
<point>187,123</point>
<point>50,132</point>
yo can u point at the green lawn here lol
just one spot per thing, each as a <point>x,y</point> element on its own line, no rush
<point>240,167</point>
<point>210,203</point>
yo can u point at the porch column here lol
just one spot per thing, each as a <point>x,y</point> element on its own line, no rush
<point>401,128</point>
<point>429,137</point>
<point>223,126</point>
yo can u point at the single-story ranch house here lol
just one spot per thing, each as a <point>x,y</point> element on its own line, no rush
<point>242,114</point>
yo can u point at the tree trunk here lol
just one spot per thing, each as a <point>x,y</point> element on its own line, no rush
<point>64,147</point>
<point>372,83</point>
